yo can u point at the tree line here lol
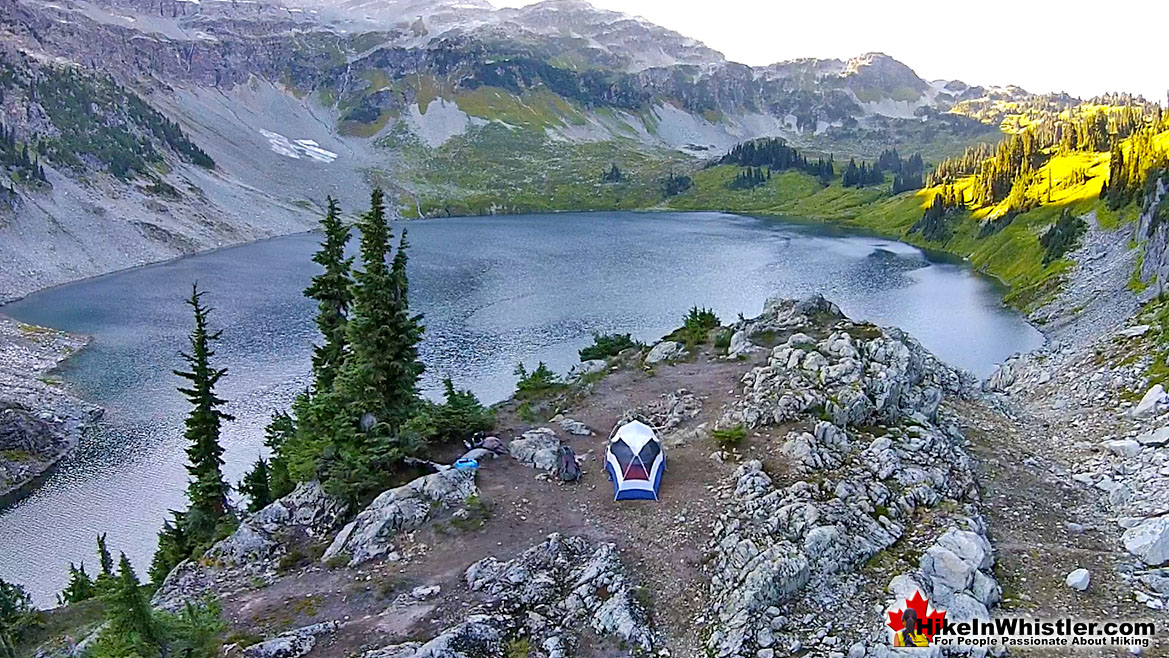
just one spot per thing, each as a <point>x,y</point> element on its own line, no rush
<point>1003,172</point>
<point>774,154</point>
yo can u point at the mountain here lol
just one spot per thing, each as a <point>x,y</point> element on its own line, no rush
<point>243,115</point>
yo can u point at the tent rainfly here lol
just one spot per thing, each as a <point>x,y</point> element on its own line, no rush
<point>635,462</point>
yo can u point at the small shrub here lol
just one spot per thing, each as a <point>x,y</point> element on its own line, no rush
<point>541,380</point>
<point>518,648</point>
<point>722,340</point>
<point>459,417</point>
<point>292,559</point>
<point>698,323</point>
<point>337,562</point>
<point>607,345</point>
<point>730,437</point>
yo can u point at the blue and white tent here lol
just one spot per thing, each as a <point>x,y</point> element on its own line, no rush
<point>635,462</point>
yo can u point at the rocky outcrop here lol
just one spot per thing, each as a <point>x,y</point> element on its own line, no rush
<point>538,448</point>
<point>290,644</point>
<point>372,533</point>
<point>548,595</point>
<point>1153,233</point>
<point>864,475</point>
<point>853,374</point>
<point>308,514</point>
<point>667,350</point>
<point>40,423</point>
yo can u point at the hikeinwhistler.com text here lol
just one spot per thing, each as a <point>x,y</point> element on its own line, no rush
<point>1009,632</point>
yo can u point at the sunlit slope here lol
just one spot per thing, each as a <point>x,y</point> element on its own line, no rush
<point>1001,238</point>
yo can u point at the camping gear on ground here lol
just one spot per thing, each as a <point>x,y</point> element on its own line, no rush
<point>492,443</point>
<point>567,467</point>
<point>635,462</point>
<point>466,463</point>
<point>480,454</point>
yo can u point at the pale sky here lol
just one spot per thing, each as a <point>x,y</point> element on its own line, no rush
<point>1038,45</point>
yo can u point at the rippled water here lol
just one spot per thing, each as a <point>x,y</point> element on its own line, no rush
<point>494,291</point>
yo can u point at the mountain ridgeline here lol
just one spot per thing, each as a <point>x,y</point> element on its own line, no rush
<point>211,110</point>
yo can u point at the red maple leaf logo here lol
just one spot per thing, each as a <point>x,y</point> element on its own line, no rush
<point>931,622</point>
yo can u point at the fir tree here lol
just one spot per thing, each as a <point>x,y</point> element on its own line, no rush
<point>280,430</point>
<point>17,615</point>
<point>331,289</point>
<point>103,556</point>
<point>130,615</point>
<point>173,548</point>
<point>256,486</point>
<point>377,390</point>
<point>80,587</point>
<point>207,491</point>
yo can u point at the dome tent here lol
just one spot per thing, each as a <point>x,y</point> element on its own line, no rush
<point>635,462</point>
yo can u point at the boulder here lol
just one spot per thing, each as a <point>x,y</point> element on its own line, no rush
<point>1123,447</point>
<point>1003,377</point>
<point>1155,438</point>
<point>538,448</point>
<point>291,644</point>
<point>1078,580</point>
<point>1154,402</point>
<point>1134,332</point>
<point>575,427</point>
<point>587,368</point>
<point>667,350</point>
<point>740,345</point>
<point>1149,541</point>
<point>405,508</point>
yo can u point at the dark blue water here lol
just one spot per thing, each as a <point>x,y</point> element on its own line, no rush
<point>494,291</point>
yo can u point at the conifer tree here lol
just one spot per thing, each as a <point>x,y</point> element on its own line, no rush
<point>276,436</point>
<point>103,556</point>
<point>331,290</point>
<point>173,548</point>
<point>17,615</point>
<point>130,615</point>
<point>377,389</point>
<point>80,587</point>
<point>207,491</point>
<point>256,486</point>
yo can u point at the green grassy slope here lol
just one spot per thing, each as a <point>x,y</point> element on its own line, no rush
<point>1013,254</point>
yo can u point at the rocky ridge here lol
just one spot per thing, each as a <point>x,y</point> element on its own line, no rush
<point>792,562</point>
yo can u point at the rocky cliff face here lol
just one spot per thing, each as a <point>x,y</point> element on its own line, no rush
<point>1153,234</point>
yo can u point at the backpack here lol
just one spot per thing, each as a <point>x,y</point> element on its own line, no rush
<point>566,468</point>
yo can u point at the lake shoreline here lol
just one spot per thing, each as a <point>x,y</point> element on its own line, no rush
<point>521,299</point>
<point>41,421</point>
<point>63,403</point>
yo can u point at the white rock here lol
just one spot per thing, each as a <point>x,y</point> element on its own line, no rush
<point>1154,402</point>
<point>405,508</point>
<point>538,448</point>
<point>1149,541</point>
<point>665,351</point>
<point>1123,447</point>
<point>1134,332</point>
<point>1078,579</point>
<point>587,368</point>
<point>1155,438</point>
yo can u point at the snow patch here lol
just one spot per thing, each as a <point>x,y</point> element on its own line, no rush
<point>297,148</point>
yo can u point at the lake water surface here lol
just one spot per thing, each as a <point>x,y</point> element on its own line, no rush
<point>494,291</point>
